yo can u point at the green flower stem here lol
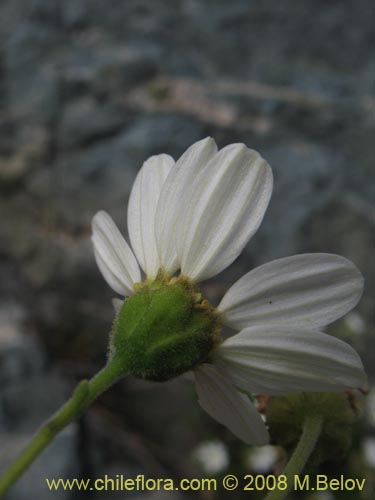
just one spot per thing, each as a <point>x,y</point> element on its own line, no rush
<point>312,428</point>
<point>84,394</point>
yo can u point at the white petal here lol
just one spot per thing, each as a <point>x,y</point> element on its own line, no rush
<point>113,255</point>
<point>117,304</point>
<point>170,202</point>
<point>142,209</point>
<point>224,207</point>
<point>278,360</point>
<point>219,398</point>
<point>308,290</point>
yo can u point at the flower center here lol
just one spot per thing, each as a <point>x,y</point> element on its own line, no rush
<point>165,329</point>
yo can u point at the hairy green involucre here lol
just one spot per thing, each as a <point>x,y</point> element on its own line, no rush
<point>164,330</point>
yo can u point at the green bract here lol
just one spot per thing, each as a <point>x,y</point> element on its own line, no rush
<point>286,415</point>
<point>165,329</point>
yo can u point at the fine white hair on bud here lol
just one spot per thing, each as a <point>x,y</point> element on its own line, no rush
<point>164,329</point>
<point>188,220</point>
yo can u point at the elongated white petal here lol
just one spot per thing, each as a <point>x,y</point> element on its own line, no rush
<point>278,360</point>
<point>171,202</point>
<point>219,398</point>
<point>113,255</point>
<point>224,206</point>
<point>143,200</point>
<point>308,290</point>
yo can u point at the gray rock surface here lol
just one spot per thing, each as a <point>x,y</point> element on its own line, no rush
<point>29,395</point>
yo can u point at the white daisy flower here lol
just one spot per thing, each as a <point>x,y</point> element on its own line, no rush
<point>195,216</point>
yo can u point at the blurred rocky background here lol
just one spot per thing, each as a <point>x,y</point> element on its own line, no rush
<point>88,90</point>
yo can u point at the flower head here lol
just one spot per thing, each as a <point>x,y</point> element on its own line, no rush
<point>188,220</point>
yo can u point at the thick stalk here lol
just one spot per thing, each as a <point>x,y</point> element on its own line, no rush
<point>84,394</point>
<point>310,434</point>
